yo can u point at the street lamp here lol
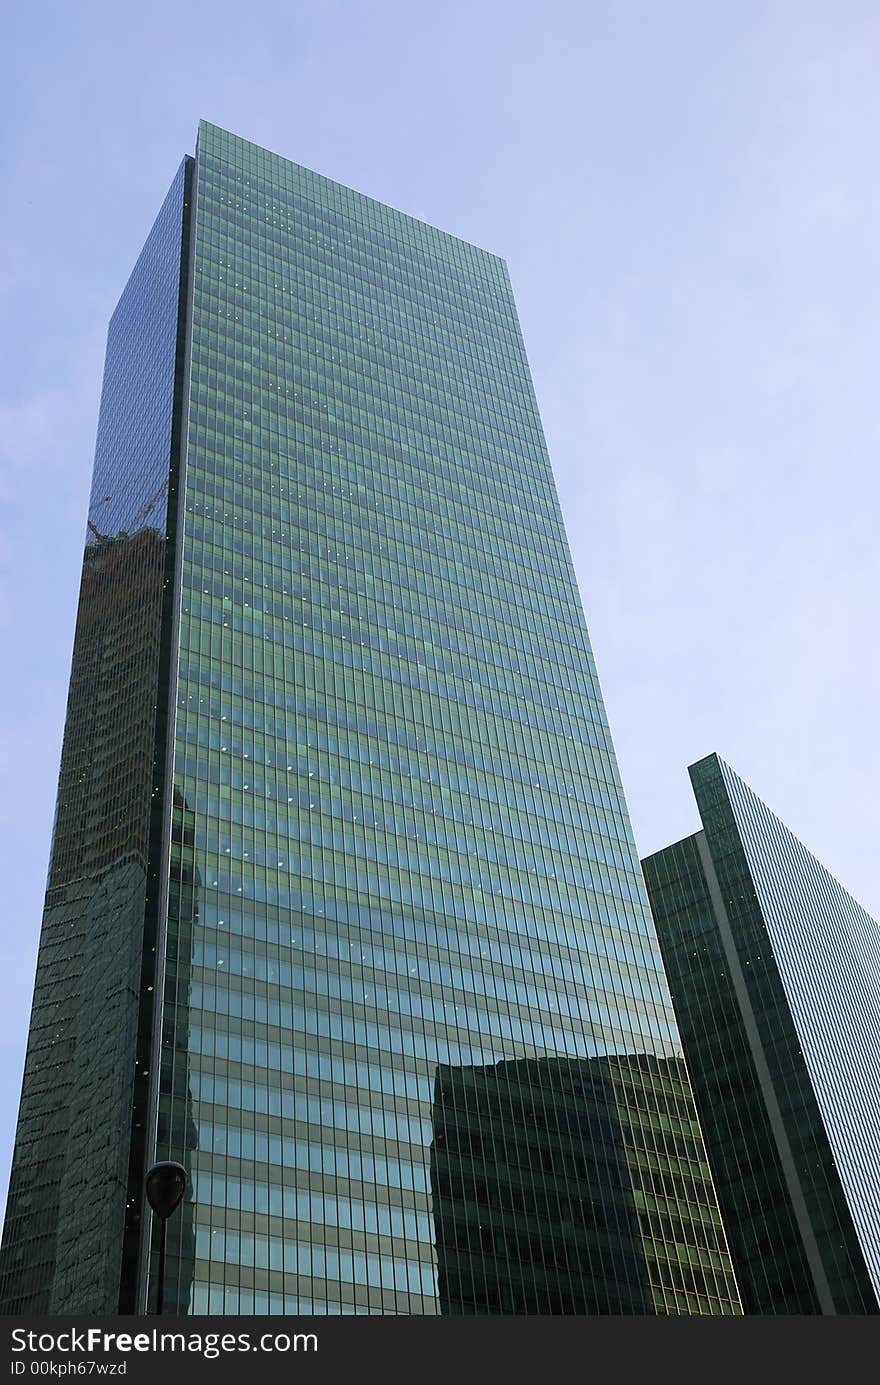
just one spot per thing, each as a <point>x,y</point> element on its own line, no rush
<point>165,1185</point>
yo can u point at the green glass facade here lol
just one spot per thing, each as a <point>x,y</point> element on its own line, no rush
<point>773,969</point>
<point>411,1034</point>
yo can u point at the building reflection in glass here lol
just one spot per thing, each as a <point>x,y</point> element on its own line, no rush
<point>177,1135</point>
<point>71,1172</point>
<point>540,1197</point>
<point>73,1217</point>
<point>391,758</point>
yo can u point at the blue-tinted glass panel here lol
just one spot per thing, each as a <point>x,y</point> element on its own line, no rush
<point>85,1079</point>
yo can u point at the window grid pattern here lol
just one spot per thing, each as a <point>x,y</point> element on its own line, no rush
<point>794,1169</point>
<point>413,986</point>
<point>827,954</point>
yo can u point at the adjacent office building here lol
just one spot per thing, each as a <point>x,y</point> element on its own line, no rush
<point>344,910</point>
<point>775,977</point>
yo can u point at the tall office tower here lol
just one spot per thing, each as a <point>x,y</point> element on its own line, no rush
<point>775,976</point>
<point>344,909</point>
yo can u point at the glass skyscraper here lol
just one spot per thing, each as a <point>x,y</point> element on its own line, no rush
<point>344,910</point>
<point>775,975</point>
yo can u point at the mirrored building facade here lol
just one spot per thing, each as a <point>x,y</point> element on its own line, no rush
<point>395,995</point>
<point>73,1212</point>
<point>775,975</point>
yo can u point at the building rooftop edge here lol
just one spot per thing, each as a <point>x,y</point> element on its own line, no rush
<point>417,220</point>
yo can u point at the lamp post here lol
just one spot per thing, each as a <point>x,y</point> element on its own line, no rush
<point>165,1185</point>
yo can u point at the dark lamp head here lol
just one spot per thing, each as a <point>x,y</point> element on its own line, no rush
<point>165,1185</point>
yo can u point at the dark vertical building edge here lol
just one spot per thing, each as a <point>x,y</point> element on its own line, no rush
<point>160,821</point>
<point>69,1197</point>
<point>793,1241</point>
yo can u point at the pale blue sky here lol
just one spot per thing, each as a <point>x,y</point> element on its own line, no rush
<point>687,196</point>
